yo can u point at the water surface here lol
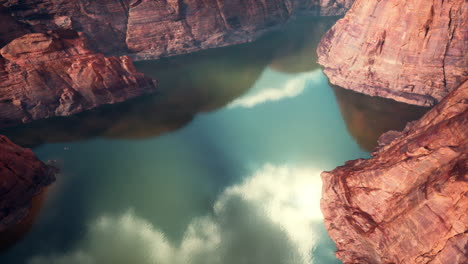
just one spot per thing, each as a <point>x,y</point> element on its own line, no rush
<point>221,165</point>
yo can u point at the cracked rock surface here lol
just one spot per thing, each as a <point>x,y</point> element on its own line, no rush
<point>411,51</point>
<point>408,203</point>
<point>22,176</point>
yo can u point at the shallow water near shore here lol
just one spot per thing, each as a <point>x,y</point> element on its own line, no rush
<point>221,165</point>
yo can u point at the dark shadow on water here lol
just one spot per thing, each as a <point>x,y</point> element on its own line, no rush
<point>15,233</point>
<point>368,117</point>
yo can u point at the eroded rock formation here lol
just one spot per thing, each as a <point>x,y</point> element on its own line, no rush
<point>411,51</point>
<point>408,203</point>
<point>154,29</point>
<point>55,74</point>
<point>22,176</point>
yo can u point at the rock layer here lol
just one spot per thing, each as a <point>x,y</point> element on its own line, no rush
<point>55,74</point>
<point>407,204</point>
<point>411,51</point>
<point>22,176</point>
<point>153,29</point>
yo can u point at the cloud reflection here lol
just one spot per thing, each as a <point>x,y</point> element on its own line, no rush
<point>272,92</point>
<point>272,217</point>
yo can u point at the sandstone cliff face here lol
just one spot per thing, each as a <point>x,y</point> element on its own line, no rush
<point>160,29</point>
<point>154,29</point>
<point>411,51</point>
<point>408,203</point>
<point>44,75</point>
<point>22,176</point>
<point>103,21</point>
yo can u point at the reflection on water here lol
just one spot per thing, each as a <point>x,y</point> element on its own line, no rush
<point>369,117</point>
<point>275,209</point>
<point>220,166</point>
<point>261,93</point>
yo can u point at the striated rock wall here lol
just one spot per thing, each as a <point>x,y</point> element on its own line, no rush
<point>153,29</point>
<point>159,28</point>
<point>412,51</point>
<point>55,74</point>
<point>22,176</point>
<point>408,203</point>
<point>104,22</point>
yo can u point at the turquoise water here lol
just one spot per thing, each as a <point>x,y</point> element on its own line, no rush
<point>222,165</point>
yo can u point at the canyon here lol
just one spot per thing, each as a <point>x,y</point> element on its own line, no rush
<point>409,51</point>
<point>407,204</point>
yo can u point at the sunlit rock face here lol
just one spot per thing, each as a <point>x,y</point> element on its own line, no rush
<point>368,117</point>
<point>408,203</point>
<point>154,29</point>
<point>410,51</point>
<point>22,176</point>
<point>55,74</point>
<point>271,217</point>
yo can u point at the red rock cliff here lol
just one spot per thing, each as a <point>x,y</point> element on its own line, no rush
<point>45,75</point>
<point>162,28</point>
<point>22,176</point>
<point>412,51</point>
<point>408,203</point>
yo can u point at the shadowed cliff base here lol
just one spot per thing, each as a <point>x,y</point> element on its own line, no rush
<point>15,233</point>
<point>368,117</point>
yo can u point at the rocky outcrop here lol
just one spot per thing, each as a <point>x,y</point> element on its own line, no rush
<point>408,203</point>
<point>153,29</point>
<point>55,74</point>
<point>22,176</point>
<point>411,51</point>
